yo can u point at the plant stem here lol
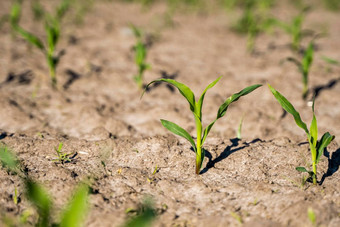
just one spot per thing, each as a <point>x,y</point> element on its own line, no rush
<point>314,171</point>
<point>199,146</point>
<point>53,77</point>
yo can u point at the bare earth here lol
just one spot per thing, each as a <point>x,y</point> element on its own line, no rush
<point>100,116</point>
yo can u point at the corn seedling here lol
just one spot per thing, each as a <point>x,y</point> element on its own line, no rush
<point>237,217</point>
<point>52,30</point>
<point>316,147</point>
<point>140,56</point>
<point>254,21</point>
<point>38,10</point>
<point>294,29</point>
<point>311,216</point>
<point>304,67</point>
<point>143,216</point>
<point>62,157</point>
<point>74,213</point>
<point>15,196</point>
<point>239,129</point>
<point>196,109</point>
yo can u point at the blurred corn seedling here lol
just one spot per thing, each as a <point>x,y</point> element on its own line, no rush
<point>52,29</point>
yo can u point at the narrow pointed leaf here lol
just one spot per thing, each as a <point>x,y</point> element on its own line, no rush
<point>314,128</point>
<point>29,37</point>
<point>308,58</point>
<point>39,197</point>
<point>224,107</point>
<point>207,130</point>
<point>183,89</point>
<point>325,140</point>
<point>75,212</point>
<point>15,15</point>
<point>174,128</point>
<point>200,101</point>
<point>301,169</point>
<point>287,106</point>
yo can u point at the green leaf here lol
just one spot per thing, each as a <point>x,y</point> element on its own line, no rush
<point>62,9</point>
<point>330,60</point>
<point>287,106</point>
<point>75,212</point>
<point>15,15</point>
<point>174,128</point>
<point>8,159</point>
<point>308,58</point>
<point>311,216</point>
<point>144,218</point>
<point>301,169</point>
<point>39,197</point>
<point>200,101</point>
<point>314,128</point>
<point>29,37</point>
<point>325,140</point>
<point>224,107</point>
<point>183,89</point>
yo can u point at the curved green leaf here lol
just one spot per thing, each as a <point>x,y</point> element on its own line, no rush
<point>325,140</point>
<point>174,128</point>
<point>287,106</point>
<point>29,37</point>
<point>224,107</point>
<point>183,89</point>
<point>74,214</point>
<point>200,101</point>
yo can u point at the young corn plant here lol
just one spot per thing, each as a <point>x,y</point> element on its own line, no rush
<point>140,56</point>
<point>304,67</point>
<point>294,29</point>
<point>196,109</point>
<point>254,20</point>
<point>316,147</point>
<point>52,29</point>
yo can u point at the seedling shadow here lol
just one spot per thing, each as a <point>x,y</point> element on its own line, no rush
<point>225,154</point>
<point>318,89</point>
<point>164,75</point>
<point>72,77</point>
<point>23,78</point>
<point>333,164</point>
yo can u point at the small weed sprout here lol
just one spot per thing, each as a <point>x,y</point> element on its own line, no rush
<point>304,67</point>
<point>196,109</point>
<point>140,56</point>
<point>316,147</point>
<point>52,29</point>
<point>62,157</point>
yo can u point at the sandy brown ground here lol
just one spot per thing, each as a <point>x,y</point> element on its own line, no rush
<point>101,117</point>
